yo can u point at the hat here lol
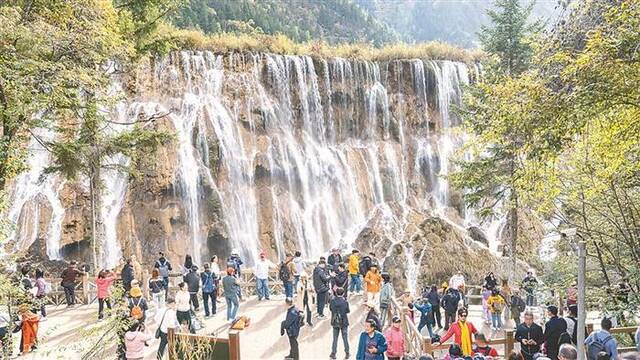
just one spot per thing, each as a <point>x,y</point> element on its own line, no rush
<point>396,319</point>
<point>135,292</point>
<point>234,252</point>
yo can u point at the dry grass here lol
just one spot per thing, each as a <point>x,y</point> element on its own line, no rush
<point>280,44</point>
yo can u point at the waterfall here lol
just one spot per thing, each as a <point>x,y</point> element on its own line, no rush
<point>304,152</point>
<point>31,190</point>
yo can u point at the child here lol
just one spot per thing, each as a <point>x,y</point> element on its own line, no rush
<point>135,340</point>
<point>485,306</point>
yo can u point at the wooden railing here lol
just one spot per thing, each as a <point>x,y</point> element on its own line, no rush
<point>414,341</point>
<point>418,344</point>
<point>86,289</point>
<point>619,330</point>
<point>203,346</point>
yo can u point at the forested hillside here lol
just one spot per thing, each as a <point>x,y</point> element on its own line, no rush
<point>334,21</point>
<point>455,22</point>
<point>340,21</point>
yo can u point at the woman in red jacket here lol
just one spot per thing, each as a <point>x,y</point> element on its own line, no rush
<point>103,282</point>
<point>461,331</point>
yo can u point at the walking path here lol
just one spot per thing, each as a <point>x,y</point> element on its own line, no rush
<point>60,336</point>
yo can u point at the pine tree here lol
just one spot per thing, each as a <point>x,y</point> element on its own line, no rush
<point>494,114</point>
<point>85,152</point>
<point>509,34</point>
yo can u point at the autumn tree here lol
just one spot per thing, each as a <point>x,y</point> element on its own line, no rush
<point>499,119</point>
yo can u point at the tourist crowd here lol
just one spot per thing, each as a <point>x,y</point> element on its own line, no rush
<point>336,283</point>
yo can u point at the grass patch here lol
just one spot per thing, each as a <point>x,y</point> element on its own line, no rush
<point>179,39</point>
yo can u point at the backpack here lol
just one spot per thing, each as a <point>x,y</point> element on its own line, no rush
<point>597,346</point>
<point>521,304</point>
<point>571,325</point>
<point>565,338</point>
<point>208,286</point>
<point>337,321</point>
<point>284,273</point>
<point>241,323</point>
<point>300,319</point>
<point>364,266</point>
<point>136,311</point>
<point>163,268</point>
<point>47,287</point>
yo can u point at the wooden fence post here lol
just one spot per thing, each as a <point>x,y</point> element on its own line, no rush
<point>170,343</point>
<point>234,345</point>
<point>145,283</point>
<point>509,339</point>
<point>85,289</point>
<point>426,346</point>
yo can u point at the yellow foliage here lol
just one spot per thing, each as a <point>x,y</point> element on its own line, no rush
<point>281,44</point>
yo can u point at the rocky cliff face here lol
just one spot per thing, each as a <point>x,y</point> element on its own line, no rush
<point>278,153</point>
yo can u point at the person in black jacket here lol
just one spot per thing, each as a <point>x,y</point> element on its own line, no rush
<point>193,284</point>
<point>321,284</point>
<point>340,280</point>
<point>434,299</point>
<point>365,265</point>
<point>530,336</point>
<point>490,281</point>
<point>127,275</point>
<point>339,322</point>
<point>334,259</point>
<point>291,325</point>
<point>553,329</point>
<point>450,302</point>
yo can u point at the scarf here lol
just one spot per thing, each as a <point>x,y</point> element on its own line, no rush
<point>465,338</point>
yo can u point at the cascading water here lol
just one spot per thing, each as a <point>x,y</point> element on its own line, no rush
<point>298,152</point>
<point>31,191</point>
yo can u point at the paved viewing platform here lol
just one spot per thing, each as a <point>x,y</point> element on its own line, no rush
<point>59,334</point>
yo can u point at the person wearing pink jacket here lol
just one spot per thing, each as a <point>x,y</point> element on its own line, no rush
<point>103,283</point>
<point>135,340</point>
<point>395,340</point>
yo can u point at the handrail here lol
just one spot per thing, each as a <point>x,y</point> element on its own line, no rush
<point>413,338</point>
<point>86,291</point>
<point>618,330</point>
<point>419,344</point>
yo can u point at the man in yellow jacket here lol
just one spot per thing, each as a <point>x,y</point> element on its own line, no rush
<point>373,279</point>
<point>355,285</point>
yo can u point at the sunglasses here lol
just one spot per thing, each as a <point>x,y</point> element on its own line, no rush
<point>462,315</point>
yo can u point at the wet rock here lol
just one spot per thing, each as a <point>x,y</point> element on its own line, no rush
<point>478,235</point>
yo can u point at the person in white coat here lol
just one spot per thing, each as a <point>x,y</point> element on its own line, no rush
<point>166,320</point>
<point>261,271</point>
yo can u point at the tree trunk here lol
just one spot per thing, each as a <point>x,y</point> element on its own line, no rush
<point>97,226</point>
<point>513,240</point>
<point>93,189</point>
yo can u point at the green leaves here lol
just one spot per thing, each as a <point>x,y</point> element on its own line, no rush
<point>509,36</point>
<point>565,136</point>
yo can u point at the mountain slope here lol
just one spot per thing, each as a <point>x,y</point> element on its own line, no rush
<point>452,21</point>
<point>334,21</point>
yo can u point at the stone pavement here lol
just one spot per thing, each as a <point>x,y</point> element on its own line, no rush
<point>60,339</point>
